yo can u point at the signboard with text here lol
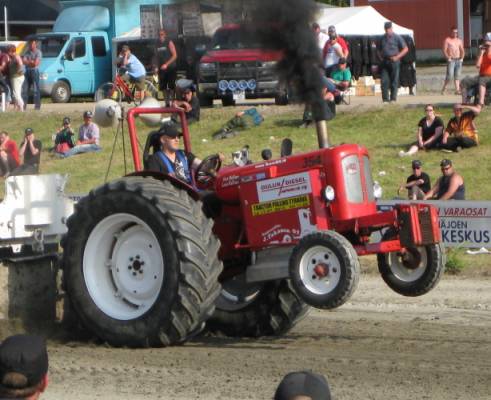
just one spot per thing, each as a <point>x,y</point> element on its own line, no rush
<point>462,223</point>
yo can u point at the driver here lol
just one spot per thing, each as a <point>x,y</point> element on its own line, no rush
<point>170,159</point>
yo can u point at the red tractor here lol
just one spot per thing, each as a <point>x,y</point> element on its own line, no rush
<point>148,259</point>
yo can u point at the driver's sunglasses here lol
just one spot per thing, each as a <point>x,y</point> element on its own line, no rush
<point>416,168</point>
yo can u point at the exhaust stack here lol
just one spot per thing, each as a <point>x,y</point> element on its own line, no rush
<point>322,135</point>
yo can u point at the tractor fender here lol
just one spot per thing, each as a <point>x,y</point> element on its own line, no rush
<point>173,180</point>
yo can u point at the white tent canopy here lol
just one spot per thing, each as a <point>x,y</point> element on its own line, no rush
<point>363,21</point>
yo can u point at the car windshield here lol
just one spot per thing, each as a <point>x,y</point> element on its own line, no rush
<point>51,45</point>
<point>226,39</point>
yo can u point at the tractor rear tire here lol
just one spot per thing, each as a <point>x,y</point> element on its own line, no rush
<point>268,309</point>
<point>141,263</point>
<point>418,278</point>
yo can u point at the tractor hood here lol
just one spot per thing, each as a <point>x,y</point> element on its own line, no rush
<point>234,55</point>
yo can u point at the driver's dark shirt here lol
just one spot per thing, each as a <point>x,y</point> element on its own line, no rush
<point>156,164</point>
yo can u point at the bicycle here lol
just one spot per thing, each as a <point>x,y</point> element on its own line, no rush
<point>121,90</point>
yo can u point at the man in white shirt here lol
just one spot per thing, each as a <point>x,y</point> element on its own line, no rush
<point>321,37</point>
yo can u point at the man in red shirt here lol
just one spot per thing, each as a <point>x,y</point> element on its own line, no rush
<point>332,32</point>
<point>484,64</point>
<point>9,155</point>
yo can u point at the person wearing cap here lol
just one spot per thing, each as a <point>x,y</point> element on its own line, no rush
<point>32,58</point>
<point>64,138</point>
<point>461,130</point>
<point>340,77</point>
<point>17,78</point>
<point>135,70</point>
<point>189,103</point>
<point>331,31</point>
<point>391,49</point>
<point>165,62</point>
<point>331,53</point>
<point>320,36</point>
<point>303,385</point>
<point>170,159</point>
<point>9,154</point>
<point>454,52</point>
<point>23,367</point>
<point>450,186</point>
<point>429,135</point>
<point>30,150</point>
<point>88,137</point>
<point>418,183</point>
<point>483,62</point>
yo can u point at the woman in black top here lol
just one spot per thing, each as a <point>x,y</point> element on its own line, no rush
<point>430,130</point>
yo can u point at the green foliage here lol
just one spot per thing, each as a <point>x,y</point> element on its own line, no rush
<point>455,263</point>
<point>337,3</point>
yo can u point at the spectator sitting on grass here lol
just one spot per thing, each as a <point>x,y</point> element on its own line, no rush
<point>450,186</point>
<point>23,367</point>
<point>461,131</point>
<point>64,139</point>
<point>9,155</point>
<point>429,136</point>
<point>189,103</point>
<point>417,184</point>
<point>30,150</point>
<point>303,385</point>
<point>88,137</point>
<point>339,80</point>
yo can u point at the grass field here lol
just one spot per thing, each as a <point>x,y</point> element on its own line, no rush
<point>383,131</point>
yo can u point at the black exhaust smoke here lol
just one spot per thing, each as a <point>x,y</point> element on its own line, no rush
<point>286,25</point>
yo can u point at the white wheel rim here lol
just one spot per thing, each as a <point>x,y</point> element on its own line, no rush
<point>123,266</point>
<point>403,273</point>
<point>320,270</point>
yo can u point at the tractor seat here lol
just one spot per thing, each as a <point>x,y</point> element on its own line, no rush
<point>152,145</point>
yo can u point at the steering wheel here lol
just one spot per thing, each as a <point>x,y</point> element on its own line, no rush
<point>207,171</point>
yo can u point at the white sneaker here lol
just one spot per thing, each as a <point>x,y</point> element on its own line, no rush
<point>402,153</point>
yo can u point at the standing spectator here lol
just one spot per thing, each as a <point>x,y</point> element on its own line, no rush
<point>321,37</point>
<point>88,137</point>
<point>303,385</point>
<point>32,59</point>
<point>64,138</point>
<point>453,50</point>
<point>429,136</point>
<point>4,75</point>
<point>9,155</point>
<point>391,49</point>
<point>331,31</point>
<point>417,184</point>
<point>484,64</point>
<point>331,54</point>
<point>450,186</point>
<point>165,57</point>
<point>135,69</point>
<point>23,367</point>
<point>461,131</point>
<point>16,74</point>
<point>189,103</point>
<point>30,150</point>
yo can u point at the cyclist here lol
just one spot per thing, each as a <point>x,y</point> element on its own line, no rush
<point>135,71</point>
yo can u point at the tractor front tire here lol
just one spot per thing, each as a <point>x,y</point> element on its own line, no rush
<point>140,263</point>
<point>249,310</point>
<point>417,273</point>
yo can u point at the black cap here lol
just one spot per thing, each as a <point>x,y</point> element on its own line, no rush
<point>446,163</point>
<point>388,25</point>
<point>417,164</point>
<point>28,131</point>
<point>25,355</point>
<point>303,383</point>
<point>88,114</point>
<point>169,130</point>
<point>66,120</point>
<point>342,60</point>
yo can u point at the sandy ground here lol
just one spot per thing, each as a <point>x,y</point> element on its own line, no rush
<point>378,346</point>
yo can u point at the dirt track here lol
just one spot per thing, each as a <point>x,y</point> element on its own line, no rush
<point>379,346</point>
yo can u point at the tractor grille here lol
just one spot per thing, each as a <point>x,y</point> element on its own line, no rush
<point>418,225</point>
<point>426,226</point>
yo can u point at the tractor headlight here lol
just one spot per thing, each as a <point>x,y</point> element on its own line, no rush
<point>377,190</point>
<point>329,194</point>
